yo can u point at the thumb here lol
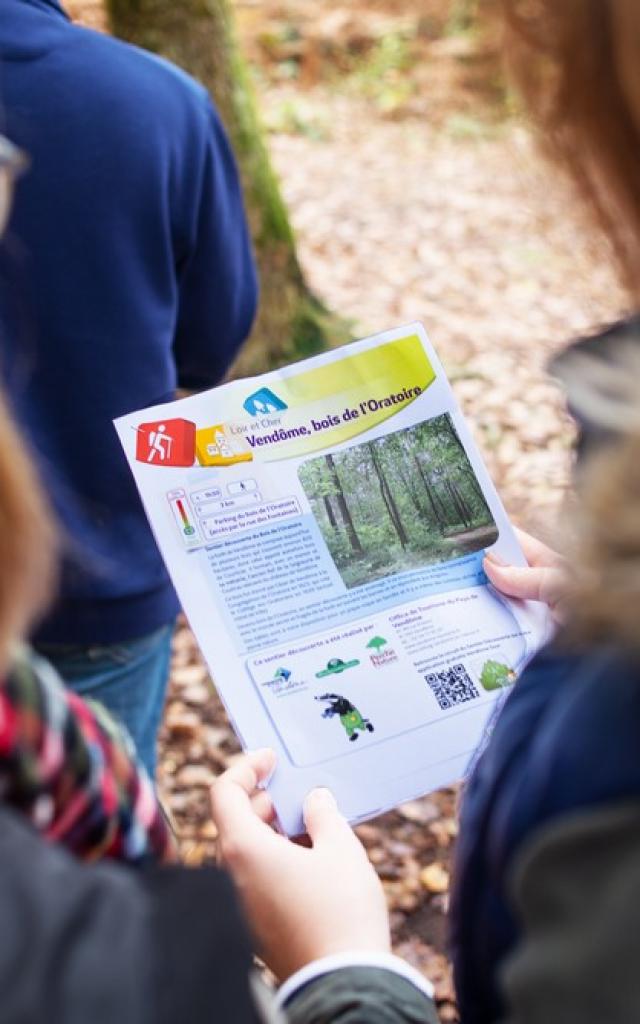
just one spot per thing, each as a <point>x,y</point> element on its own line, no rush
<point>322,819</point>
<point>521,582</point>
<point>526,583</point>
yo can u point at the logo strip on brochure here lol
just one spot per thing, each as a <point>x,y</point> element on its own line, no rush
<point>302,413</point>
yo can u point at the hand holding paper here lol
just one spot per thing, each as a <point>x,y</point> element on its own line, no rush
<point>302,904</point>
<point>544,579</point>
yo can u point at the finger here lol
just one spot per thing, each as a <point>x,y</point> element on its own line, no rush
<point>230,794</point>
<point>535,552</point>
<point>248,771</point>
<point>526,584</point>
<point>262,807</point>
<point>323,820</point>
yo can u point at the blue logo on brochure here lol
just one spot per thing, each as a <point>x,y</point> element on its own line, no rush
<point>262,402</point>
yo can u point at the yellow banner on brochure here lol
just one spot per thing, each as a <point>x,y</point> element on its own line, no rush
<point>330,404</point>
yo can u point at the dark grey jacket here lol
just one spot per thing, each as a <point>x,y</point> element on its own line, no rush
<point>576,890</point>
<point>106,944</point>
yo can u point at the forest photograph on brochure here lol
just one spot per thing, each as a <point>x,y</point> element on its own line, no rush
<point>399,502</point>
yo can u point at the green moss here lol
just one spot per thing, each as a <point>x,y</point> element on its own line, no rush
<point>199,36</point>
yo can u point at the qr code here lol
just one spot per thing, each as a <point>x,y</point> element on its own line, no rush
<point>452,686</point>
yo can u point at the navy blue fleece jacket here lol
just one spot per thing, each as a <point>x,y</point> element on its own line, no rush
<point>129,248</point>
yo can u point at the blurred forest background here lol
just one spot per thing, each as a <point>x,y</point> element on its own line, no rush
<point>390,176</point>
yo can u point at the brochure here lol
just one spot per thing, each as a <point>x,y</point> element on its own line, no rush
<point>324,526</point>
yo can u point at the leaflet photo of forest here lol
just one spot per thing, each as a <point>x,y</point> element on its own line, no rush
<point>400,502</point>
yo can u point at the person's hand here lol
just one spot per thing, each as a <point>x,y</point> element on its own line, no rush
<point>302,903</point>
<point>544,579</point>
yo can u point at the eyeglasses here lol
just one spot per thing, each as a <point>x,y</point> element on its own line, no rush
<point>13,163</point>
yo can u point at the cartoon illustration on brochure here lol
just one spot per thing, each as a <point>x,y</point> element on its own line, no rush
<point>350,718</point>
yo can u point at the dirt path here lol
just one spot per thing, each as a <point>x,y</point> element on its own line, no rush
<point>483,536</point>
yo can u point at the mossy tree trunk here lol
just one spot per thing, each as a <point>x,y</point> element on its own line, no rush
<point>199,36</point>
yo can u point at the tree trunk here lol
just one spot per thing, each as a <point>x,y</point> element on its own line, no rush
<point>411,491</point>
<point>387,497</point>
<point>470,478</point>
<point>467,469</point>
<point>354,540</point>
<point>199,36</point>
<point>458,509</point>
<point>455,437</point>
<point>427,487</point>
<point>464,504</point>
<point>329,511</point>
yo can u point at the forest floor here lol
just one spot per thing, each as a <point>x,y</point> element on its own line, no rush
<point>416,193</point>
<point>473,539</point>
<point>378,563</point>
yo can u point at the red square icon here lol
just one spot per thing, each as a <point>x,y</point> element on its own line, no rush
<point>166,443</point>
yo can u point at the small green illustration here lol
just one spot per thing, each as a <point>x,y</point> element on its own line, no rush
<point>377,642</point>
<point>335,666</point>
<point>495,675</point>
<point>350,718</point>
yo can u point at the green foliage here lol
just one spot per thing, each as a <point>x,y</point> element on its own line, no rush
<point>400,502</point>
<point>295,117</point>
<point>463,17</point>
<point>376,642</point>
<point>383,75</point>
<point>470,127</point>
<point>494,675</point>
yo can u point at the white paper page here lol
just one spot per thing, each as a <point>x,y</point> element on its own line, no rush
<point>324,526</point>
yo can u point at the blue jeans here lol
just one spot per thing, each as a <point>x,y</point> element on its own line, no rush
<point>128,678</point>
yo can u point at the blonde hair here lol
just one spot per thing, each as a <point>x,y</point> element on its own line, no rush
<point>577,65</point>
<point>27,540</point>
